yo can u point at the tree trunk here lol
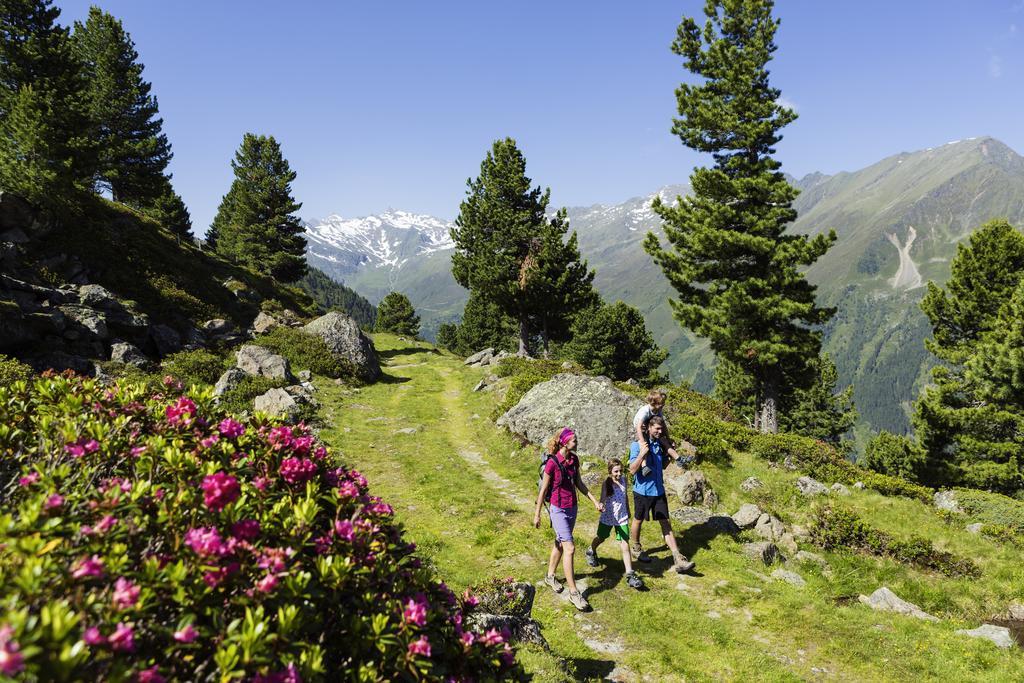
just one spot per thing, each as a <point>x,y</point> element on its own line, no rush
<point>544,334</point>
<point>768,420</point>
<point>523,333</point>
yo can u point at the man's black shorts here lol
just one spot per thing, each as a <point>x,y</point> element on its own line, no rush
<point>649,507</point>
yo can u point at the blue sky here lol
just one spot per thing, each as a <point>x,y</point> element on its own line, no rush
<point>394,104</point>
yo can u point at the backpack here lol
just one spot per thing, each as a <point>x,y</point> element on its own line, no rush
<point>544,457</point>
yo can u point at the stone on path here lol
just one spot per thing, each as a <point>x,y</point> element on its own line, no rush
<point>1000,635</point>
<point>885,600</point>
<point>690,515</point>
<point>810,487</point>
<point>789,577</point>
<point>763,551</point>
<point>747,516</point>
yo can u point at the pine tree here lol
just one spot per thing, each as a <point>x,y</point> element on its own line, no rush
<point>484,325</point>
<point>256,225</point>
<point>168,209</point>
<point>395,314</point>
<point>612,340</point>
<point>133,151</point>
<point>736,271</point>
<point>47,149</point>
<point>969,420</point>
<point>506,247</point>
<point>448,336</point>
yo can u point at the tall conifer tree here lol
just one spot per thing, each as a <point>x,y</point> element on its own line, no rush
<point>46,142</point>
<point>736,271</point>
<point>256,224</point>
<point>133,150</point>
<point>510,252</point>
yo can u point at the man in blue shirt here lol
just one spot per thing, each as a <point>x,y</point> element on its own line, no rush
<point>646,464</point>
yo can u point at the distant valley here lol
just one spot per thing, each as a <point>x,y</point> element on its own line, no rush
<point>898,223</point>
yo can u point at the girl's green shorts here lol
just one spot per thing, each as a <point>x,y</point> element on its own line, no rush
<point>621,531</point>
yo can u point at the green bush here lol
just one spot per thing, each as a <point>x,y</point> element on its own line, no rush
<point>840,529</point>
<point>525,373</point>
<point>992,508</point>
<point>613,340</point>
<point>150,536</point>
<point>894,455</point>
<point>306,351</point>
<point>195,367</point>
<point>395,314</point>
<point>12,370</point>
<point>240,398</point>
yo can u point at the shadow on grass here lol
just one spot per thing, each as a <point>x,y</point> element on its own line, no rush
<point>699,536</point>
<point>393,379</point>
<point>407,351</point>
<point>586,669</point>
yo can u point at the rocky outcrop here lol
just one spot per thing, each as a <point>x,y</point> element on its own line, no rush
<point>999,635</point>
<point>811,487</point>
<point>123,352</point>
<point>600,413</point>
<point>946,500</point>
<point>508,607</point>
<point>885,600</point>
<point>486,358</point>
<point>262,362</point>
<point>763,551</point>
<point>692,487</point>
<point>746,517</point>
<point>344,338</point>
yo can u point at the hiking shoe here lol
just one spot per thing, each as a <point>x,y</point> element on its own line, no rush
<point>551,581</point>
<point>633,580</point>
<point>683,565</point>
<point>639,554</point>
<point>580,602</point>
<point>591,557</point>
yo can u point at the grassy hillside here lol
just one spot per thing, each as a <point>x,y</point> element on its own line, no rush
<point>464,491</point>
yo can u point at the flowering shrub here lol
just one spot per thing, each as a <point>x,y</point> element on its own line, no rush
<point>147,537</point>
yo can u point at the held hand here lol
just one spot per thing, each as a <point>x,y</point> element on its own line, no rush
<point>600,507</point>
<point>536,521</point>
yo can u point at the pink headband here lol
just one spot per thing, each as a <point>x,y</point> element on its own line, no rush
<point>566,434</point>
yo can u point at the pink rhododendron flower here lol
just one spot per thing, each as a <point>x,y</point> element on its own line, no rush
<point>415,612</point>
<point>267,584</point>
<point>261,483</point>
<point>492,637</point>
<point>219,490</point>
<point>92,636</point>
<point>29,479</point>
<point>348,490</point>
<point>88,567</point>
<point>186,635</point>
<point>231,428</point>
<point>106,524</point>
<point>246,529</point>
<point>11,660</point>
<point>280,437</point>
<point>297,470</point>
<point>273,559</point>
<point>323,544</point>
<point>137,451</point>
<point>126,593</point>
<point>151,675</point>
<point>469,598</point>
<point>507,657</point>
<point>123,638</point>
<point>357,478</point>
<point>289,675</point>
<point>420,647</point>
<point>181,413</point>
<point>344,530</point>
<point>209,441</point>
<point>302,444</point>
<point>53,502</point>
<point>320,453</point>
<point>467,638</point>
<point>382,509</point>
<point>206,542</point>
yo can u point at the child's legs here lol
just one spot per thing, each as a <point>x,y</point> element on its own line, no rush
<point>627,557</point>
<point>603,531</point>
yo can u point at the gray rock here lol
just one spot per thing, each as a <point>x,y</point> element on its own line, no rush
<point>859,485</point>
<point>480,385</point>
<point>276,402</point>
<point>567,365</point>
<point>690,515</point>
<point>218,327</point>
<point>304,375</point>
<point>974,528</point>
<point>521,630</point>
<point>751,483</point>
<point>839,489</point>
<point>747,515</point>
<point>787,542</point>
<point>810,487</point>
<point>229,380</point>
<point>480,357</point>
<point>406,430</point>
<point>811,558</point>
<point>946,500</point>
<point>769,527</point>
<point>1000,635</point>
<point>801,533</point>
<point>166,339</point>
<point>264,322</point>
<point>344,338</point>
<point>763,551</point>
<point>722,524</point>
<point>95,296</point>
<point>497,358</point>
<point>123,352</point>
<point>89,318</point>
<point>601,414</point>
<point>789,577</point>
<point>262,362</point>
<point>885,600</point>
<point>693,488</point>
<point>1015,611</point>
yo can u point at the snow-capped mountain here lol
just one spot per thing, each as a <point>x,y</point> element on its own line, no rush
<point>340,246</point>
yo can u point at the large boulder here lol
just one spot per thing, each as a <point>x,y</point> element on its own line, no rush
<point>600,414</point>
<point>344,338</point>
<point>95,296</point>
<point>692,487</point>
<point>747,516</point>
<point>277,402</point>
<point>262,362</point>
<point>123,352</point>
<point>885,600</point>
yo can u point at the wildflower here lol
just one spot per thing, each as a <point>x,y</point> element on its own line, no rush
<point>136,451</point>
<point>209,441</point>
<point>467,638</point>
<point>382,509</point>
<point>230,428</point>
<point>186,635</point>
<point>357,478</point>
<point>126,593</point>
<point>344,529</point>
<point>267,584</point>
<point>11,660</point>
<point>206,542</point>
<point>348,490</point>
<point>53,502</point>
<point>106,524</point>
<point>323,544</point>
<point>151,675</point>
<point>92,636</point>
<point>320,453</point>
<point>123,638</point>
<point>469,599</point>
<point>182,412</point>
<point>280,438</point>
<point>297,470</point>
<point>29,479</point>
<point>415,612</point>
<point>219,490</point>
<point>261,483</point>
<point>273,559</point>
<point>420,647</point>
<point>302,444</point>
<point>246,529</point>
<point>88,567</point>
<point>492,637</point>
